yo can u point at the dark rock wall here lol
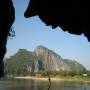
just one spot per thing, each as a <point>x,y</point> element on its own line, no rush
<point>7,17</point>
<point>70,15</point>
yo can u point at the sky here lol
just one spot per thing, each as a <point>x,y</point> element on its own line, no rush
<point>32,32</point>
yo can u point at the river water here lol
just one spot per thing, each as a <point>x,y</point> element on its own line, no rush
<point>42,85</point>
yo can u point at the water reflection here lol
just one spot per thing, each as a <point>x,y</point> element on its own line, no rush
<point>49,86</point>
<point>42,85</point>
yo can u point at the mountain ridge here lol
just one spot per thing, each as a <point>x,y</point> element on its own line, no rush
<point>41,59</point>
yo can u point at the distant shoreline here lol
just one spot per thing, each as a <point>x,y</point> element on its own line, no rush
<point>46,79</point>
<point>39,78</point>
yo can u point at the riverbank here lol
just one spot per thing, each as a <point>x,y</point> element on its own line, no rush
<point>52,79</point>
<point>39,78</point>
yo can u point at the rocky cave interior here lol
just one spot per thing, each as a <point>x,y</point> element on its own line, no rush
<point>71,16</point>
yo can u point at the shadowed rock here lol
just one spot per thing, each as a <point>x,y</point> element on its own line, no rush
<point>7,17</point>
<point>70,15</point>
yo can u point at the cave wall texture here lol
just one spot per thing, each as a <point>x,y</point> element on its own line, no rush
<point>70,15</point>
<point>7,16</point>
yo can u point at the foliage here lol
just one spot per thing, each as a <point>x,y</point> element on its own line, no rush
<point>20,63</point>
<point>11,32</point>
<point>75,67</point>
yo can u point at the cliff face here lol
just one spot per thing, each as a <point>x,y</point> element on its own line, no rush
<point>41,59</point>
<point>50,60</point>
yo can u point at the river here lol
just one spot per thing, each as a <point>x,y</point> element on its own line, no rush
<point>42,85</point>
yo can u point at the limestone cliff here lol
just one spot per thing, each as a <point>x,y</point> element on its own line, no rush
<point>50,60</point>
<point>41,59</point>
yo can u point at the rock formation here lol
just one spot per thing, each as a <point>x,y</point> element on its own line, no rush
<point>50,60</point>
<point>7,17</point>
<point>41,59</point>
<point>70,15</point>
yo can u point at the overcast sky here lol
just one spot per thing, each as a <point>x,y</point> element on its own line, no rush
<point>32,32</point>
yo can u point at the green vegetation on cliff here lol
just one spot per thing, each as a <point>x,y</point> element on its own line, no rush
<point>41,61</point>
